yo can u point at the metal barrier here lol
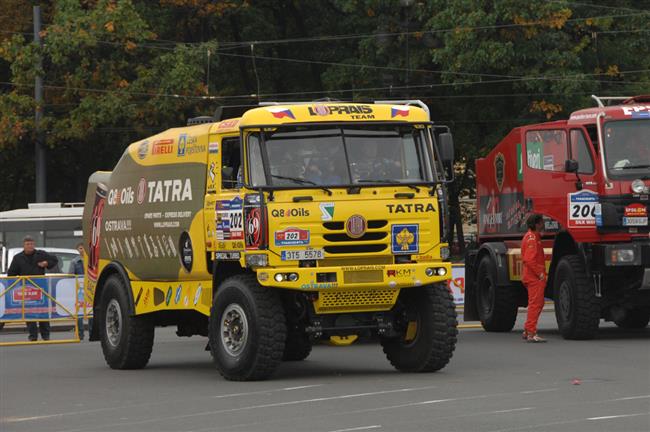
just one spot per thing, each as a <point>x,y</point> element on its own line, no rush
<point>49,298</point>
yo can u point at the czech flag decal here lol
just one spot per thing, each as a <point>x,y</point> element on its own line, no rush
<point>399,111</point>
<point>281,113</point>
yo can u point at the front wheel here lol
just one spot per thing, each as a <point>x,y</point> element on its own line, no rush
<point>577,309</point>
<point>497,305</point>
<point>127,340</point>
<point>426,317</point>
<point>247,329</point>
<point>634,319</point>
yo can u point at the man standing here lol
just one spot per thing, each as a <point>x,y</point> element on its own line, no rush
<point>534,277</point>
<point>33,262</point>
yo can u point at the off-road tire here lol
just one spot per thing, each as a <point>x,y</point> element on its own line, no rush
<point>432,307</point>
<point>496,305</point>
<point>132,348</point>
<point>577,309</point>
<point>297,346</point>
<point>266,332</point>
<point>634,319</point>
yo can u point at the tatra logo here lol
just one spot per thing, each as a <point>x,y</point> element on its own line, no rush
<point>499,169</point>
<point>355,226</point>
<point>410,208</point>
<point>170,190</point>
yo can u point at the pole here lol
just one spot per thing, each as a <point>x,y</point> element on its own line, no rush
<point>40,172</point>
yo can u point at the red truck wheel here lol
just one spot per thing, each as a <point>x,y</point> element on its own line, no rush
<point>577,309</point>
<point>496,305</point>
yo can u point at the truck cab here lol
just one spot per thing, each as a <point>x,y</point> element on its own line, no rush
<point>589,176</point>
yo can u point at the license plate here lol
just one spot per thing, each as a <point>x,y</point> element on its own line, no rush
<point>303,254</point>
<point>635,221</point>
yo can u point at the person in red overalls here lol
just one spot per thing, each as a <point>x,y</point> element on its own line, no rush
<point>534,277</point>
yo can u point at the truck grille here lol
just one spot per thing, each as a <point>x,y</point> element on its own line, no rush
<point>373,241</point>
<point>360,300</point>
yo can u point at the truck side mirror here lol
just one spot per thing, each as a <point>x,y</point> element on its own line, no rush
<point>571,165</point>
<point>446,148</point>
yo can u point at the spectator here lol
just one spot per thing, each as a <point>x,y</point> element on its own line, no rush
<point>33,262</point>
<point>78,269</point>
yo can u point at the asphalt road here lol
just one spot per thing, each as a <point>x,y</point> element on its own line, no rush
<point>495,382</point>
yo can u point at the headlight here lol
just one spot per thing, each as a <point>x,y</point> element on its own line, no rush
<point>638,186</point>
<point>257,260</point>
<point>623,255</point>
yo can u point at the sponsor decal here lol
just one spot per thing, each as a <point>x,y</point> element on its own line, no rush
<point>158,296</point>
<point>405,238</point>
<point>534,154</point>
<point>292,237</point>
<point>142,190</point>
<point>212,172</point>
<point>280,113</point>
<point>499,170</point>
<point>355,226</point>
<point>230,215</point>
<point>356,112</point>
<point>254,228</point>
<point>29,294</point>
<point>639,111</point>
<point>325,285</point>
<point>410,208</point>
<point>635,215</point>
<point>117,225</point>
<point>321,110</point>
<point>400,273</point>
<point>147,296</point>
<point>187,254</point>
<point>186,300</point>
<point>197,296</point>
<point>213,148</point>
<point>188,144</point>
<point>143,149</point>
<point>582,209</point>
<point>162,147</point>
<point>137,299</point>
<point>520,164</point>
<point>549,162</point>
<point>399,111</point>
<point>226,124</point>
<point>170,190</point>
<point>168,297</point>
<point>363,268</point>
<point>327,211</point>
<point>179,291</point>
<point>120,196</point>
<point>290,212</point>
<point>228,255</point>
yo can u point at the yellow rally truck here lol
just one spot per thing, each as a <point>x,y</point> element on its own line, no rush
<point>291,224</point>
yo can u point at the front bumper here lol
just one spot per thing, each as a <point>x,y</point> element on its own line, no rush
<point>393,276</point>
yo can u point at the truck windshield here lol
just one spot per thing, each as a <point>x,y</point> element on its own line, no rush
<point>329,155</point>
<point>627,149</point>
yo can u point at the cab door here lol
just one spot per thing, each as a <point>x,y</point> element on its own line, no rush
<point>224,204</point>
<point>548,187</point>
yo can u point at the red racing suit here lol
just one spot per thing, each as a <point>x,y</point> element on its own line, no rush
<point>534,277</point>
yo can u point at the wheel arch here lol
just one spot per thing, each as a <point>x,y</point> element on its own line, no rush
<point>496,251</point>
<point>113,268</point>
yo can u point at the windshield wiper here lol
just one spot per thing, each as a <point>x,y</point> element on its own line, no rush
<point>389,181</point>
<point>302,181</point>
<point>634,166</point>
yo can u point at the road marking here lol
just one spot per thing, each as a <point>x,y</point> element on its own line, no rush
<point>618,416</point>
<point>72,413</point>
<point>253,407</point>
<point>539,391</point>
<point>630,398</point>
<point>358,428</point>
<point>510,410</point>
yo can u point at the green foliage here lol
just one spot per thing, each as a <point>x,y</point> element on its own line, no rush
<point>119,70</point>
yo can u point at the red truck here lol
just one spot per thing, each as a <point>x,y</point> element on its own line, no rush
<point>589,176</point>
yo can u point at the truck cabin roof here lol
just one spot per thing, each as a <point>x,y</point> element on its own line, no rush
<point>637,107</point>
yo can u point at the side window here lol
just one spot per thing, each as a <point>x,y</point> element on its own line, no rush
<point>546,149</point>
<point>580,152</point>
<point>255,164</point>
<point>230,163</point>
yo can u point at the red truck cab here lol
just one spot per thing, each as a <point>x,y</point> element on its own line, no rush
<point>589,176</point>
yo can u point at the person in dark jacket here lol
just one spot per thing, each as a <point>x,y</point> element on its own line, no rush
<point>33,262</point>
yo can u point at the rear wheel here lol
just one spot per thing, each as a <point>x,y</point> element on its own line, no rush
<point>577,309</point>
<point>427,318</point>
<point>497,306</point>
<point>127,340</point>
<point>634,319</point>
<point>247,329</point>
